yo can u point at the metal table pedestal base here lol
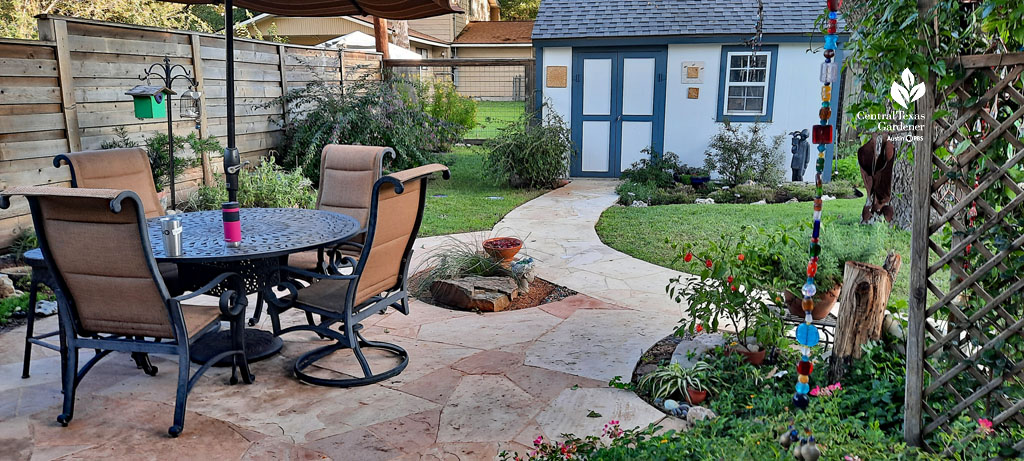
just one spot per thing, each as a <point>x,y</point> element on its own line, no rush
<point>259,345</point>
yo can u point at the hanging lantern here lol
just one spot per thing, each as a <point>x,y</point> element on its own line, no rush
<point>190,103</point>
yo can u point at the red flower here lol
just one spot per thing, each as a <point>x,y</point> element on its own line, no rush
<point>700,328</point>
<point>740,257</point>
<point>733,288</point>
<point>709,263</point>
<point>688,257</point>
<point>729,279</point>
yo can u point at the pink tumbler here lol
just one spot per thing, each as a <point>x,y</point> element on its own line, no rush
<point>232,226</point>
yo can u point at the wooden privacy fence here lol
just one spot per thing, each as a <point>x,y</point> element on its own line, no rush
<point>966,343</point>
<point>65,92</point>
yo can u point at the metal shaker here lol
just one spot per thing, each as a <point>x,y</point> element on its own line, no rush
<point>170,230</point>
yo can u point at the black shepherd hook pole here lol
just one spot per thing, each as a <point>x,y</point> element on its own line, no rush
<point>165,72</point>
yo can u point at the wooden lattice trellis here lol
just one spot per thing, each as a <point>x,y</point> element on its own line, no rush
<point>966,343</point>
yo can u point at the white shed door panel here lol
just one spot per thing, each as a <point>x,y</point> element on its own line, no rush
<point>638,86</point>
<point>596,143</point>
<point>636,136</point>
<point>597,86</point>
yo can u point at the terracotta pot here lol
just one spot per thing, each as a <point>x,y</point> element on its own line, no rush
<point>561,183</point>
<point>503,248</point>
<point>823,303</point>
<point>696,397</point>
<point>753,358</point>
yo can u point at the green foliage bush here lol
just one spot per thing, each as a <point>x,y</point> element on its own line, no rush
<point>25,241</point>
<point>739,155</point>
<point>156,148</point>
<point>263,186</point>
<point>391,113</point>
<point>10,305</point>
<point>527,153</point>
<point>653,168</point>
<point>840,241</point>
<point>678,194</point>
<point>630,192</point>
<point>448,105</point>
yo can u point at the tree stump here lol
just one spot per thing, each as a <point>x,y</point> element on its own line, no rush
<point>863,302</point>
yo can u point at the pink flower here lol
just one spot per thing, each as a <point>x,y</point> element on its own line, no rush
<point>985,426</point>
<point>538,440</point>
<point>814,392</point>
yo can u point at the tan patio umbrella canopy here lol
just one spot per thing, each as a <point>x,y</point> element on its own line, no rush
<point>386,9</point>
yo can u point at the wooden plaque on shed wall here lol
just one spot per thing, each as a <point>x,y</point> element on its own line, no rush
<point>557,77</point>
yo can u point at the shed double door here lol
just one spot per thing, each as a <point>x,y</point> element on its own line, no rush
<point>618,107</point>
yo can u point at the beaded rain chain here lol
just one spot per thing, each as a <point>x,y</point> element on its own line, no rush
<point>806,333</point>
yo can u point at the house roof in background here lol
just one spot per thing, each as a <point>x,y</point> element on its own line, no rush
<point>645,18</point>
<point>495,32</point>
<point>413,33</point>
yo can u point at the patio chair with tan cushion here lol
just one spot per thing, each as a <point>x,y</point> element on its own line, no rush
<point>347,175</point>
<point>123,169</point>
<point>97,247</point>
<point>378,280</point>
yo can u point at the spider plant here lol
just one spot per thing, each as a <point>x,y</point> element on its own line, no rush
<point>674,380</point>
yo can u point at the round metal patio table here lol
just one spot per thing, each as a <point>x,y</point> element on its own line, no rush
<point>269,235</point>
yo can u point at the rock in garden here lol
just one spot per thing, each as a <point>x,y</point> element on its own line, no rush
<point>46,308</point>
<point>705,201</point>
<point>690,351</point>
<point>489,294</point>
<point>7,287</point>
<point>760,202</point>
<point>646,368</point>
<point>699,414</point>
<point>638,204</point>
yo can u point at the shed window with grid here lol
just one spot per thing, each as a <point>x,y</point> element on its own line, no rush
<point>746,83</point>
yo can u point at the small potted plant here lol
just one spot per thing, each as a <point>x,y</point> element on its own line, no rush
<point>694,176</point>
<point>673,380</point>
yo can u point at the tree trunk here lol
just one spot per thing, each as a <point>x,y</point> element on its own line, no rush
<point>400,33</point>
<point>862,304</point>
<point>902,193</point>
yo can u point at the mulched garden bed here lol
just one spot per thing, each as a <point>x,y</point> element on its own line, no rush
<point>541,292</point>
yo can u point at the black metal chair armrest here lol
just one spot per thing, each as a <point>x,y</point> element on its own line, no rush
<point>232,301</point>
<point>314,275</point>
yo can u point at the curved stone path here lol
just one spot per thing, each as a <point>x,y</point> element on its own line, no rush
<point>476,384</point>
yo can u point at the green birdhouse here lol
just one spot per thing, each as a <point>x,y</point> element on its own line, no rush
<point>150,101</point>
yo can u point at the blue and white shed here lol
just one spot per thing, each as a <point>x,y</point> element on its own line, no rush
<point>630,74</point>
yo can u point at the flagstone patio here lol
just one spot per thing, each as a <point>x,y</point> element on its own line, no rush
<point>475,385</point>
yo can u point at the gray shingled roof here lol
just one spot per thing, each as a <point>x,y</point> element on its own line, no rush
<point>641,18</point>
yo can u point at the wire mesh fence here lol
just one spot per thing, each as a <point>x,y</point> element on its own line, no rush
<point>502,88</point>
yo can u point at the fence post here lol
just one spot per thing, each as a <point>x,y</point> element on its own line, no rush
<point>204,129</point>
<point>530,74</point>
<point>914,392</point>
<point>56,30</point>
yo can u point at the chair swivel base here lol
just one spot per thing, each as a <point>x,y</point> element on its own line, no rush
<point>306,360</point>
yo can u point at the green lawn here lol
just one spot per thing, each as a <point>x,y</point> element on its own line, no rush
<point>641,232</point>
<point>491,115</point>
<point>467,206</point>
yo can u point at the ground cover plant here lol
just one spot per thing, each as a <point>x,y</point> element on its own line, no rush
<point>265,185</point>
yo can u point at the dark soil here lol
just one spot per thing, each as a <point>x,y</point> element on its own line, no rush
<point>503,243</point>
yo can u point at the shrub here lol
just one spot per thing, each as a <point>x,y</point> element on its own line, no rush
<point>838,188</point>
<point>653,168</point>
<point>848,169</point>
<point>723,196</point>
<point>10,305</point>
<point>630,191</point>
<point>800,191</point>
<point>390,113</point>
<point>750,193</point>
<point>529,154</point>
<point>448,105</point>
<point>264,186</point>
<point>25,241</point>
<point>677,195</point>
<point>840,242</point>
<point>739,156</point>
<point>156,148</point>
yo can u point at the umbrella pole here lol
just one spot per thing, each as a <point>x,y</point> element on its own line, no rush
<point>232,161</point>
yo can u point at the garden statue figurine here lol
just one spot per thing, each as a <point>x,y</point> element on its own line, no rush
<point>801,153</point>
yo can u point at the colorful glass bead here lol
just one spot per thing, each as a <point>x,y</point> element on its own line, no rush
<point>821,148</point>
<point>820,164</point>
<point>816,230</point>
<point>803,388</point>
<point>817,215</point>
<point>812,268</point>
<point>825,113</point>
<point>826,93</point>
<point>800,401</point>
<point>803,378</point>
<point>809,289</point>
<point>829,72</point>
<point>833,15</point>
<point>833,26</point>
<point>833,5</point>
<point>821,134</point>
<point>807,334</point>
<point>830,41</point>
<point>804,367</point>
<point>826,104</point>
<point>817,207</point>
<point>815,249</point>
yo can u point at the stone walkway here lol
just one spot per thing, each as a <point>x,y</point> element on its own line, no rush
<point>475,385</point>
